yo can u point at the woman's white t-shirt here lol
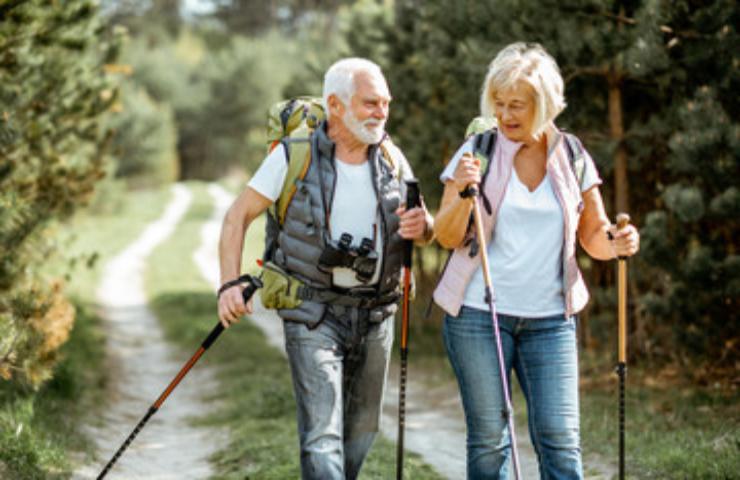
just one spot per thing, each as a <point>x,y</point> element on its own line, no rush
<point>525,253</point>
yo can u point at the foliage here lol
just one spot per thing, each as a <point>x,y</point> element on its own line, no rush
<point>697,223</point>
<point>218,88</point>
<point>30,345</point>
<point>38,428</point>
<point>53,95</point>
<point>253,17</point>
<point>144,140</point>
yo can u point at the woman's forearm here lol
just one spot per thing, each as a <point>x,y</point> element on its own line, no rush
<point>452,219</point>
<point>594,226</point>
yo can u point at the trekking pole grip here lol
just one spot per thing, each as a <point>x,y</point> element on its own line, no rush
<point>412,201</point>
<point>623,219</point>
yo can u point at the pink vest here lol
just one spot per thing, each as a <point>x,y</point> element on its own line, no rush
<point>450,291</point>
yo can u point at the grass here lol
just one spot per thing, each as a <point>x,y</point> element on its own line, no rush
<point>88,240</point>
<point>673,429</point>
<point>254,401</point>
<point>39,430</point>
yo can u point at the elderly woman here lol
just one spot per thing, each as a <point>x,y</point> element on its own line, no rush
<point>535,208</point>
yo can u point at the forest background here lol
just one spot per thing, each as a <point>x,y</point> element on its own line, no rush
<point>99,98</point>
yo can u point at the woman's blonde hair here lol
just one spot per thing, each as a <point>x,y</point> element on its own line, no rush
<point>527,62</point>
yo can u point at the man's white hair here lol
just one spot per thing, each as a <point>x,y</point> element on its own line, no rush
<point>528,62</point>
<point>339,80</point>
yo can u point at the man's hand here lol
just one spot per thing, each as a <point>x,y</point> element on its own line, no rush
<point>415,223</point>
<point>231,306</point>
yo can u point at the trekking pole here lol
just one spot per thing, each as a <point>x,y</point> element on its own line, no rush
<point>253,284</point>
<point>508,411</point>
<point>622,220</point>
<point>412,201</point>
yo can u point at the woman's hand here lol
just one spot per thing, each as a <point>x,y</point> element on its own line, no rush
<point>598,236</point>
<point>625,241</point>
<point>467,172</point>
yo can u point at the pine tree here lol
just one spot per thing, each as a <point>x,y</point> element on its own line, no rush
<point>53,94</point>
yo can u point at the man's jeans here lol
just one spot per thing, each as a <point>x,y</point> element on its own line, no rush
<point>543,352</point>
<point>339,370</point>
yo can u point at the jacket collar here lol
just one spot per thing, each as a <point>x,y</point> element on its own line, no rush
<point>324,144</point>
<point>552,134</point>
<point>508,147</point>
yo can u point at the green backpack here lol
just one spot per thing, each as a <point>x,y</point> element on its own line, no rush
<point>291,123</point>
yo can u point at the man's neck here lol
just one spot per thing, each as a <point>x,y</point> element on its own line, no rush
<point>348,147</point>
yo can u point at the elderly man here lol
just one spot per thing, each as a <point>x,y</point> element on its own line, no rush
<point>339,324</point>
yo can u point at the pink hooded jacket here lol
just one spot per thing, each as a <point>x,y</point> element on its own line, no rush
<point>450,291</point>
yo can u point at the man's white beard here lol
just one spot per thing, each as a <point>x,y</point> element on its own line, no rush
<point>369,131</point>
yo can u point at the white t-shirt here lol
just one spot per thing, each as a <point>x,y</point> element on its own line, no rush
<point>525,253</point>
<point>354,209</point>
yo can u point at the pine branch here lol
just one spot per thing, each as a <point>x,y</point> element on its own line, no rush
<point>581,71</point>
<point>619,18</point>
<point>8,7</point>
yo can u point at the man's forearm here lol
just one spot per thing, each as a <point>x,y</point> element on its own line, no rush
<point>230,249</point>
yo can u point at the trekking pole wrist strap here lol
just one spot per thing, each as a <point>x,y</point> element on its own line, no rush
<point>232,283</point>
<point>467,192</point>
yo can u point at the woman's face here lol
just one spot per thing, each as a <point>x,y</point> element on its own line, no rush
<point>515,111</point>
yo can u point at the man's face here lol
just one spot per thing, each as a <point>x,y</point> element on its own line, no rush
<point>368,108</point>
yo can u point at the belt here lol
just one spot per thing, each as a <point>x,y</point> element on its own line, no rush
<point>360,297</point>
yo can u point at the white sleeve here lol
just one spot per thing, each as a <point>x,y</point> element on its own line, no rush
<point>269,178</point>
<point>591,176</point>
<point>449,170</point>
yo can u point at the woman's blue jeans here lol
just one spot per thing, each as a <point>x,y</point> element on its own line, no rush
<point>543,353</point>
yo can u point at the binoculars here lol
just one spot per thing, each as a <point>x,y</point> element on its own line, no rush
<point>362,259</point>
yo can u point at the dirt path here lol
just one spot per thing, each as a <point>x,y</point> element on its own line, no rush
<point>169,447</point>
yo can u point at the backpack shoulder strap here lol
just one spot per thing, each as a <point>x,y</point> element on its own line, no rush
<point>392,155</point>
<point>577,157</point>
<point>484,144</point>
<point>298,156</point>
